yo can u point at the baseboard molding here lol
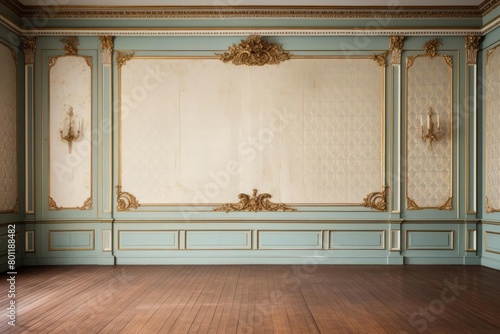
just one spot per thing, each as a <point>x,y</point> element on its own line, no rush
<point>72,261</point>
<point>490,263</point>
<point>435,260</point>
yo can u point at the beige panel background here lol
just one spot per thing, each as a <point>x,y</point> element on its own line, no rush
<point>493,129</point>
<point>8,131</point>
<point>429,171</point>
<point>201,131</point>
<point>70,173</point>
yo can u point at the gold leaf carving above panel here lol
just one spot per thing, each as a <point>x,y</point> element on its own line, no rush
<point>430,47</point>
<point>396,47</point>
<point>471,48</point>
<point>53,205</point>
<point>448,205</point>
<point>87,205</point>
<point>70,45</point>
<point>125,200</point>
<point>29,47</point>
<point>106,48</point>
<point>411,205</point>
<point>123,57</point>
<point>254,203</point>
<point>53,60</point>
<point>381,59</point>
<point>376,200</point>
<point>255,51</point>
<point>410,60</point>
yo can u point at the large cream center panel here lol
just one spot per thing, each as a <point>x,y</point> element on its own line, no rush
<point>199,131</point>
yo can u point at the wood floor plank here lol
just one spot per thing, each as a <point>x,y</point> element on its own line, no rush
<point>255,299</point>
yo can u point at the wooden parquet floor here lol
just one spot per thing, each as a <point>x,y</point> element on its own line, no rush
<point>254,299</point>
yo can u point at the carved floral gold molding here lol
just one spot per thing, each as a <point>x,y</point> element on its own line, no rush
<point>471,48</point>
<point>430,50</point>
<point>381,59</point>
<point>53,205</point>
<point>376,200</point>
<point>29,47</point>
<point>87,205</point>
<point>71,49</point>
<point>254,203</point>
<point>125,200</point>
<point>412,205</point>
<point>106,48</point>
<point>396,47</point>
<point>123,57</point>
<point>70,45</point>
<point>255,51</point>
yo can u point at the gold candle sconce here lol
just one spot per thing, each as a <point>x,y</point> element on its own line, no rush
<point>431,132</point>
<point>68,133</point>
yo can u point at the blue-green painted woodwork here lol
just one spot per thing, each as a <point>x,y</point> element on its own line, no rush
<point>313,235</point>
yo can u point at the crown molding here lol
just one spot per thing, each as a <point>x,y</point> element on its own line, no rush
<point>48,10</point>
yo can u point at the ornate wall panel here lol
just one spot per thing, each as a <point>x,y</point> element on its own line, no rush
<point>70,121</point>
<point>492,130</point>
<point>8,132</point>
<point>429,166</point>
<point>200,131</point>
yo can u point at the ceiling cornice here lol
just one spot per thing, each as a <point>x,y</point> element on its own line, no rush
<point>148,12</point>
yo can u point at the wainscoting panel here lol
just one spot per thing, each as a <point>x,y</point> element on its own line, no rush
<point>218,240</point>
<point>429,240</point>
<point>290,240</point>
<point>71,240</point>
<point>492,242</point>
<point>357,240</point>
<point>148,240</point>
<point>490,255</point>
<point>8,132</point>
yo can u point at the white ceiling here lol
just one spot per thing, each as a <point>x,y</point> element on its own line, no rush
<point>219,3</point>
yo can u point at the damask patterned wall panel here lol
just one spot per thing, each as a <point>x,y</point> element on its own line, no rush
<point>429,164</point>
<point>70,149</point>
<point>201,131</point>
<point>493,130</point>
<point>8,132</point>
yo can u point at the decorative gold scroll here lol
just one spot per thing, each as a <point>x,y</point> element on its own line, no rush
<point>381,59</point>
<point>53,204</point>
<point>70,45</point>
<point>123,57</point>
<point>396,47</point>
<point>411,205</point>
<point>125,200</point>
<point>254,52</point>
<point>87,205</point>
<point>430,47</point>
<point>254,203</point>
<point>376,200</point>
<point>447,205</point>
<point>29,47</point>
<point>471,48</point>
